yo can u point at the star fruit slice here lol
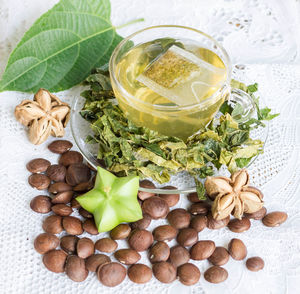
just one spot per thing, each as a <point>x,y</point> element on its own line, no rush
<point>112,201</point>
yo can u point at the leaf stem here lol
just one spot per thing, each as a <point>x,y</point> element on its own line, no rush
<point>130,22</point>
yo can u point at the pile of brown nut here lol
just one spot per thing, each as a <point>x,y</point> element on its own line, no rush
<point>77,256</point>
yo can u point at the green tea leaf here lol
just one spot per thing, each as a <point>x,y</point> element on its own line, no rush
<point>62,47</point>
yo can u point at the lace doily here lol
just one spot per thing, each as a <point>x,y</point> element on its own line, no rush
<point>260,31</point>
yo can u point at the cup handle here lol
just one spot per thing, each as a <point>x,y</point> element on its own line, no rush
<point>247,105</point>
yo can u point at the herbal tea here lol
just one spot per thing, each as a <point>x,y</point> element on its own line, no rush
<point>169,72</point>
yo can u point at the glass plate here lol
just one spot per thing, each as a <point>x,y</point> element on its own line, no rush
<point>183,181</point>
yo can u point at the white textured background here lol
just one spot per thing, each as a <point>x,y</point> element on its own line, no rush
<point>263,35</point>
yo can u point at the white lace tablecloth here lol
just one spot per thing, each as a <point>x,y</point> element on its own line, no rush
<point>263,35</point>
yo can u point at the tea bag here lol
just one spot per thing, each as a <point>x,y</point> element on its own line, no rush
<point>182,77</point>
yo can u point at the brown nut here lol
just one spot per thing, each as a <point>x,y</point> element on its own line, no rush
<point>120,232</point>
<point>274,219</point>
<point>41,204</point>
<point>56,172</point>
<point>39,181</point>
<point>160,251</point>
<point>75,268</point>
<point>140,240</point>
<point>62,209</point>
<point>179,218</point>
<point>179,255</point>
<point>69,243</point>
<point>60,146</point>
<point>155,207</point>
<point>237,249</point>
<point>142,223</point>
<point>90,227</point>
<point>202,250</point>
<point>53,224</point>
<point>82,187</point>
<point>188,274</point>
<point>70,157</point>
<point>38,165</point>
<point>199,223</point>
<point>217,224</point>
<point>111,274</point>
<point>127,256</point>
<point>216,274</point>
<point>45,242</point>
<point>164,233</point>
<point>63,197</point>
<point>72,225</point>
<point>54,260</point>
<point>171,199</point>
<point>255,264</point>
<point>85,247</point>
<point>139,273</point>
<point>187,237</point>
<point>94,261</point>
<point>106,245</point>
<point>77,173</point>
<point>219,257</point>
<point>75,203</point>
<point>148,185</point>
<point>59,187</point>
<point>201,208</point>
<point>85,213</point>
<point>258,215</point>
<point>164,271</point>
<point>239,225</point>
<point>193,197</point>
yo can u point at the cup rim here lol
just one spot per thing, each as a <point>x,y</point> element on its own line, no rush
<point>126,95</point>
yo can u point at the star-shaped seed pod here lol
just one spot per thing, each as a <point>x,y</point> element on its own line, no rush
<point>44,116</point>
<point>233,195</point>
<point>113,200</point>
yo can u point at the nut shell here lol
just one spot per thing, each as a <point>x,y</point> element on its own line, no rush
<point>54,261</point>
<point>193,197</point>
<point>171,199</point>
<point>160,251</point>
<point>187,237</point>
<point>77,173</point>
<point>179,218</point>
<point>111,274</point>
<point>70,157</point>
<point>72,225</point>
<point>120,232</point>
<point>60,146</point>
<point>239,225</point>
<point>140,240</point>
<point>69,243</point>
<point>202,250</point>
<point>188,274</point>
<point>62,209</point>
<point>142,223</point>
<point>41,204</point>
<point>164,233</point>
<point>85,247</point>
<point>39,181</point>
<point>45,242</point>
<point>199,223</point>
<point>56,172</point>
<point>219,257</point>
<point>75,269</point>
<point>38,165</point>
<point>106,245</point>
<point>237,249</point>
<point>53,224</point>
<point>94,261</point>
<point>63,197</point>
<point>148,185</point>
<point>90,227</point>
<point>127,256</point>
<point>217,224</point>
<point>258,215</point>
<point>59,187</point>
<point>155,207</point>
<point>139,273</point>
<point>255,264</point>
<point>201,208</point>
<point>164,271</point>
<point>216,274</point>
<point>274,219</point>
<point>179,255</point>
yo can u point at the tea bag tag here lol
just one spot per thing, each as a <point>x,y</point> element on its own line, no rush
<point>182,77</point>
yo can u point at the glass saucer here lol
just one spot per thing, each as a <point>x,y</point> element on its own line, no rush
<point>185,184</point>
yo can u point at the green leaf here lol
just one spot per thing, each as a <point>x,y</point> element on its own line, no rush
<point>252,88</point>
<point>62,47</point>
